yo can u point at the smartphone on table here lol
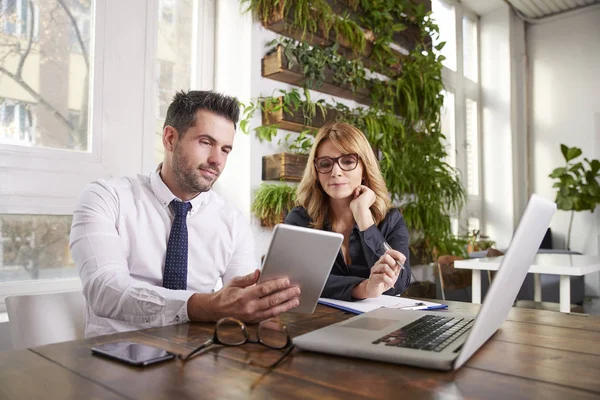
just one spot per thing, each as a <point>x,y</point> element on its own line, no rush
<point>132,353</point>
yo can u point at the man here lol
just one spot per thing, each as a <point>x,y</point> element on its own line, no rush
<point>150,249</point>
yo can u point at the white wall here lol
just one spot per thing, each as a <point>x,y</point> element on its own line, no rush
<point>564,60</point>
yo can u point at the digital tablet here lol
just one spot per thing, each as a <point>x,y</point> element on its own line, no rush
<point>305,256</point>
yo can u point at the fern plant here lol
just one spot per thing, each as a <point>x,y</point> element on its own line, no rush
<point>272,202</point>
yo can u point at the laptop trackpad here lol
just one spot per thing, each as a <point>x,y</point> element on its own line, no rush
<point>372,324</point>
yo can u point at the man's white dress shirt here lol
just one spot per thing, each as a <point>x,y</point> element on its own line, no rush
<point>119,242</point>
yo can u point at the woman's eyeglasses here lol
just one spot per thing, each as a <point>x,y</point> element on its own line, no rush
<point>233,332</point>
<point>347,162</point>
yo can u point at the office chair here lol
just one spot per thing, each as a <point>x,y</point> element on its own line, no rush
<point>450,277</point>
<point>36,320</point>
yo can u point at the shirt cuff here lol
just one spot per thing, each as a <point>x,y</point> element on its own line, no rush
<point>373,238</point>
<point>176,307</point>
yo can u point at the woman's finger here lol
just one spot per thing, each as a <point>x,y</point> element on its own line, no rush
<point>383,269</point>
<point>389,283</point>
<point>396,255</point>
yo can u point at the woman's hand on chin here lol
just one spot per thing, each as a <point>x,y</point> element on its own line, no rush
<point>363,199</point>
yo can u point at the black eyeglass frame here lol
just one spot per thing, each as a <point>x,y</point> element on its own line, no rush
<point>336,160</point>
<point>247,339</point>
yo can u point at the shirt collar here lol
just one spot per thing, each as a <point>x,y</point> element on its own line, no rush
<point>165,196</point>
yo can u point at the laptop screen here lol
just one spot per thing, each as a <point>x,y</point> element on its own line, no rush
<point>511,274</point>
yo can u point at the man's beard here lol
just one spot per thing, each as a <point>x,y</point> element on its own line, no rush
<point>189,179</point>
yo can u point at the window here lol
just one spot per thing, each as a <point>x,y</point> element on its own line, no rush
<point>459,28</point>
<point>472,151</point>
<point>42,77</point>
<point>16,122</point>
<point>35,247</point>
<point>174,58</point>
<point>44,139</point>
<point>449,127</point>
<point>445,16</point>
<point>16,16</point>
<point>470,49</point>
<point>71,111</point>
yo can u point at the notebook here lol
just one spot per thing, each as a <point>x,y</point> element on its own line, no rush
<point>363,306</point>
<point>438,340</point>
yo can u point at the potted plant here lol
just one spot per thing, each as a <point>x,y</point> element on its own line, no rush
<point>272,203</point>
<point>577,184</point>
<point>477,242</point>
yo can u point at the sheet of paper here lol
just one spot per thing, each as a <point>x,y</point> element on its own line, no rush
<point>362,306</point>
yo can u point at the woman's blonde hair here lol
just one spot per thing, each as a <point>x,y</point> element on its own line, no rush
<point>347,139</point>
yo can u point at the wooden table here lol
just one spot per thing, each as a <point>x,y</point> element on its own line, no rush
<point>536,354</point>
<point>565,265</point>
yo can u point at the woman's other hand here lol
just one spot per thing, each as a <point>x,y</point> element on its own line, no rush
<point>383,277</point>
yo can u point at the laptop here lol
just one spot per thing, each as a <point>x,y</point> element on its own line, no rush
<point>438,340</point>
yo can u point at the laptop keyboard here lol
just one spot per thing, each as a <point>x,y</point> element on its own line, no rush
<point>430,332</point>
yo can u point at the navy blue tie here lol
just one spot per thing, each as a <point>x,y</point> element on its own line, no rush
<point>175,276</point>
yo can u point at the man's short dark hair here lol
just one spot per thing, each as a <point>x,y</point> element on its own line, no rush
<point>181,114</point>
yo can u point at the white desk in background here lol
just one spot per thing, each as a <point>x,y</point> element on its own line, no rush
<point>565,265</point>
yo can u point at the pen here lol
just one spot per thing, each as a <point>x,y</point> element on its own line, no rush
<point>386,246</point>
<point>411,306</point>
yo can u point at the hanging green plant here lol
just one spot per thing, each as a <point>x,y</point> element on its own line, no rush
<point>309,17</point>
<point>317,63</point>
<point>403,120</point>
<point>272,202</point>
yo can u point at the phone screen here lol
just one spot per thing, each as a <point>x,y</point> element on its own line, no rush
<point>133,353</point>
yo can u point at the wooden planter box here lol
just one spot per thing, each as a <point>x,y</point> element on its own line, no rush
<point>406,39</point>
<point>295,121</point>
<point>274,66</point>
<point>270,224</point>
<point>283,166</point>
<point>277,23</point>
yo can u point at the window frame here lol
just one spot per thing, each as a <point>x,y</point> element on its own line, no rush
<point>463,89</point>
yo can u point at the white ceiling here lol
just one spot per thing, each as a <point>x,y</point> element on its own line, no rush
<point>544,8</point>
<point>532,9</point>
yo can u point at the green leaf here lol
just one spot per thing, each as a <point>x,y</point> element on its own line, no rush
<point>558,172</point>
<point>564,149</point>
<point>572,153</point>
<point>595,166</point>
<point>564,203</point>
<point>576,167</point>
<point>244,126</point>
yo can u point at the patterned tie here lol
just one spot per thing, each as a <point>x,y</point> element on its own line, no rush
<point>175,276</point>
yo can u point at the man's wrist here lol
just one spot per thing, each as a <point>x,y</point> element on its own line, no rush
<point>200,307</point>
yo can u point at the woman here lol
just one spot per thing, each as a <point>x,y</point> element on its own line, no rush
<point>342,190</point>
